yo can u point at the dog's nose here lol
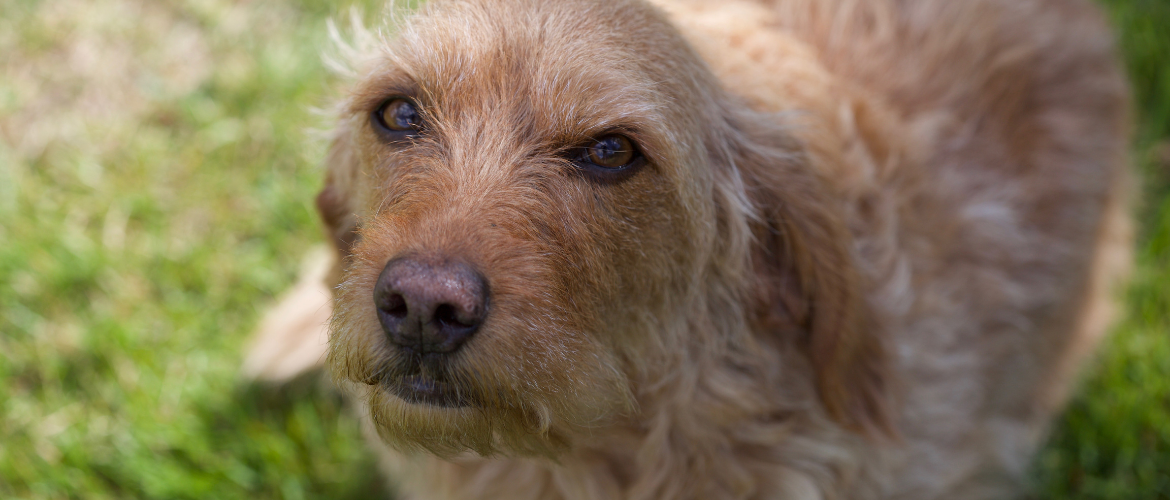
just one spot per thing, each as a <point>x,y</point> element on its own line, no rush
<point>431,307</point>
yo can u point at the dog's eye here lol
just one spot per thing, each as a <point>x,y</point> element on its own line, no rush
<point>611,151</point>
<point>398,116</point>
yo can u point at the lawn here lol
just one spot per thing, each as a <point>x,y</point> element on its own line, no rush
<point>157,172</point>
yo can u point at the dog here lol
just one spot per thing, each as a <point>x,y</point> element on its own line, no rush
<point>799,249</point>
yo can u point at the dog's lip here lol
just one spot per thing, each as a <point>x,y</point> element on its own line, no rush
<point>421,389</point>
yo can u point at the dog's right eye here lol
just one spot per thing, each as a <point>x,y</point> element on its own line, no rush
<point>397,117</point>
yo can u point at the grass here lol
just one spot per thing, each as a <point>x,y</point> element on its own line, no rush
<point>154,174</point>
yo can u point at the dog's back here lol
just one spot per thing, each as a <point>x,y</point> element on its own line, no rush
<point>986,186</point>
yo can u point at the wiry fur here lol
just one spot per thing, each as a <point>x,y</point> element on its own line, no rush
<point>873,242</point>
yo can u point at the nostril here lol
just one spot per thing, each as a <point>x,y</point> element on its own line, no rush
<point>446,315</point>
<point>391,303</point>
<point>395,305</point>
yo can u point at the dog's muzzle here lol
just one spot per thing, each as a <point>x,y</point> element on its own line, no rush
<point>428,309</point>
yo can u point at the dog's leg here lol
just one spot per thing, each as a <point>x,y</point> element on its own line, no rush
<point>293,336</point>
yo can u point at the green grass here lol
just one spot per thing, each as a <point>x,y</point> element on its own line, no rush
<point>155,195</point>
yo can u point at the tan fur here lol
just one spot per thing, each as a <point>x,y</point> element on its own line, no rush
<point>873,242</point>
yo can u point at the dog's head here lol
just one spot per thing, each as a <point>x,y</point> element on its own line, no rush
<point>543,207</point>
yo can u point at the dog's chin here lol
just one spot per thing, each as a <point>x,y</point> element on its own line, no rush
<point>448,412</point>
<point>488,400</point>
<point>419,413</point>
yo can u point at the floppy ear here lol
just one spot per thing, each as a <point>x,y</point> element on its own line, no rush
<point>809,284</point>
<point>333,204</point>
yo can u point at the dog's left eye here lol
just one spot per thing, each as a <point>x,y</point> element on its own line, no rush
<point>398,117</point>
<point>613,151</point>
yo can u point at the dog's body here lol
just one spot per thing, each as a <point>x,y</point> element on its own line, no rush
<point>869,244</point>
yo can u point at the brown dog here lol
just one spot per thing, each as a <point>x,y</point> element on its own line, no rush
<point>785,249</point>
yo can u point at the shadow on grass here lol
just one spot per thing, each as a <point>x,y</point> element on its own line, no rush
<point>255,441</point>
<point>288,407</point>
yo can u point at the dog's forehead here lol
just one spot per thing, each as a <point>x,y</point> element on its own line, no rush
<point>571,67</point>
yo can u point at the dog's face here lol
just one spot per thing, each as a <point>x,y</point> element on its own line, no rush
<point>532,201</point>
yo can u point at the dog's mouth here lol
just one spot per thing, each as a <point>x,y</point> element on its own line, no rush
<point>417,381</point>
<point>422,389</point>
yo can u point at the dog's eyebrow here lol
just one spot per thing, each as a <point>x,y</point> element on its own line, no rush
<point>371,93</point>
<point>640,122</point>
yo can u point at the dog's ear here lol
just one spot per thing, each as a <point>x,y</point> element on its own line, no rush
<point>809,285</point>
<point>333,202</point>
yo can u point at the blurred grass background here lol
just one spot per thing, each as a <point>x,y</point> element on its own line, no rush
<point>156,183</point>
